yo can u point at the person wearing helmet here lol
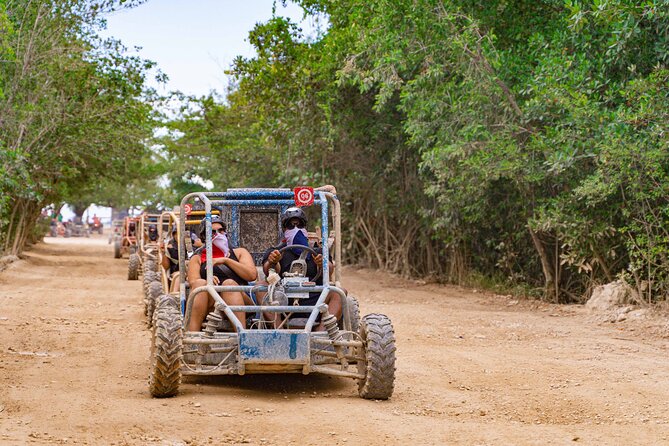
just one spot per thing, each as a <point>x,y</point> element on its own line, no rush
<point>294,224</point>
<point>169,259</point>
<point>153,233</point>
<point>231,267</point>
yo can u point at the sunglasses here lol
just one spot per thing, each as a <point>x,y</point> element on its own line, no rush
<point>292,225</point>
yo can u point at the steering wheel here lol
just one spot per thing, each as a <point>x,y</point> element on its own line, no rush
<point>306,248</point>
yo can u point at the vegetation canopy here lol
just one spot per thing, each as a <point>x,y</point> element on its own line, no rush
<point>522,142</point>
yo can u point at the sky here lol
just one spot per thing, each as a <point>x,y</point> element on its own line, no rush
<point>194,41</point>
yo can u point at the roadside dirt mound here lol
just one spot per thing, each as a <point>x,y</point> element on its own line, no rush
<point>472,369</point>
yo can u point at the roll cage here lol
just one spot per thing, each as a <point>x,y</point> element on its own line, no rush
<point>253,221</point>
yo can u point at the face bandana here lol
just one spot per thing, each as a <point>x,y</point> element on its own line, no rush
<point>296,236</point>
<point>221,242</point>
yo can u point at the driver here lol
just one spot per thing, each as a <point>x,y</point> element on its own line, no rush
<point>294,224</point>
<point>153,233</point>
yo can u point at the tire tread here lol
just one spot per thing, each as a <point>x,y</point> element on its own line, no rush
<point>378,335</point>
<point>166,349</point>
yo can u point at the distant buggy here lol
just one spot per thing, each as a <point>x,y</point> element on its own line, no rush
<point>362,349</point>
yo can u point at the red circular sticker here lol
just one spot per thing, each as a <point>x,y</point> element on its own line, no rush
<point>304,196</point>
<point>188,208</point>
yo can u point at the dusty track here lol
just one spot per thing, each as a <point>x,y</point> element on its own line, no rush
<point>483,370</point>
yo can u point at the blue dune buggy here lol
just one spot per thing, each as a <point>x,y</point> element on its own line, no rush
<point>362,349</point>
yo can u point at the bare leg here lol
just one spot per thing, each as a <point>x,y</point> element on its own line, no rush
<point>334,307</point>
<point>174,286</point>
<point>234,298</point>
<point>201,306</point>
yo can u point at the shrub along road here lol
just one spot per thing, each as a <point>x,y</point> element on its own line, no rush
<point>472,368</point>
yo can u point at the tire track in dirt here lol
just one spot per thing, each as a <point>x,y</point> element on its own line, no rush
<point>472,368</point>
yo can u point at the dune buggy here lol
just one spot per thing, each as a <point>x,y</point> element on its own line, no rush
<point>125,243</point>
<point>116,232</point>
<point>361,349</point>
<point>77,229</point>
<point>145,256</point>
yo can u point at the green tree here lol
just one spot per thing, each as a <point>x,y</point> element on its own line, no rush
<point>74,109</point>
<point>523,141</point>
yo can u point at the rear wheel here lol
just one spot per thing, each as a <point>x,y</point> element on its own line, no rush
<point>117,249</point>
<point>133,267</point>
<point>166,349</point>
<point>151,300</point>
<point>354,312</point>
<point>378,337</point>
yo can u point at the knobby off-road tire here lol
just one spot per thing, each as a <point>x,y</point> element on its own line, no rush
<point>133,267</point>
<point>172,300</point>
<point>150,265</point>
<point>149,276</point>
<point>117,249</point>
<point>353,308</point>
<point>166,349</point>
<point>151,300</point>
<point>378,338</point>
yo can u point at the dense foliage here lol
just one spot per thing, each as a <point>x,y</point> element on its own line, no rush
<point>74,113</point>
<point>523,141</point>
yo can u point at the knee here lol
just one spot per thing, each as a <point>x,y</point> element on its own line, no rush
<point>198,283</point>
<point>229,282</point>
<point>201,301</point>
<point>334,298</point>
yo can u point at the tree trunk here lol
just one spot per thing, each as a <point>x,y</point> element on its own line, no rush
<point>549,279</point>
<point>79,209</point>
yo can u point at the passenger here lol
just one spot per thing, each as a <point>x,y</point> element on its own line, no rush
<point>231,267</point>
<point>294,222</point>
<point>170,259</point>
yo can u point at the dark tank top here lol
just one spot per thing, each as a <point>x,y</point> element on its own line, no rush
<point>221,271</point>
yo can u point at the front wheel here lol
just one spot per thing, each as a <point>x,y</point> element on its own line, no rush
<point>378,338</point>
<point>151,300</point>
<point>166,349</point>
<point>117,249</point>
<point>133,267</point>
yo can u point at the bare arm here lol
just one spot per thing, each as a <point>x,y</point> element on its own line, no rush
<point>193,270</point>
<point>244,266</point>
<point>272,262</point>
<point>164,260</point>
<point>318,260</point>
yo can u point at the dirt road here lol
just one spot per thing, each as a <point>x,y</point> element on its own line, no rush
<point>480,370</point>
